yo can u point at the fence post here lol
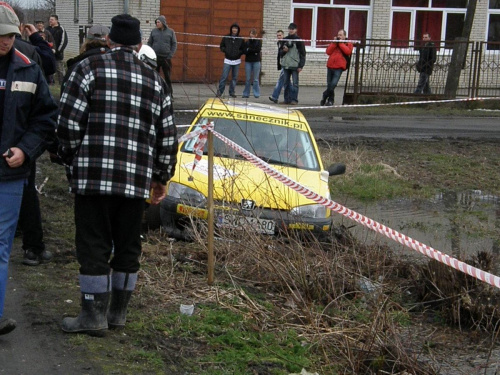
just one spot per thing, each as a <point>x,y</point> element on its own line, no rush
<point>356,74</point>
<point>479,54</point>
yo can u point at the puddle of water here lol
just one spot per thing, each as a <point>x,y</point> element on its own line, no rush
<point>458,224</point>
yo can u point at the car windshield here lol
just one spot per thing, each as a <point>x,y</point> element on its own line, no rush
<point>274,144</point>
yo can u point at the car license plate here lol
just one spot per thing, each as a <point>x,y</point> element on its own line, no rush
<point>225,220</point>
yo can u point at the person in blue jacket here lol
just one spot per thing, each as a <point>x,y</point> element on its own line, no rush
<point>27,122</point>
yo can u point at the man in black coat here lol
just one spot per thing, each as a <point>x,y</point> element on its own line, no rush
<point>425,65</point>
<point>60,43</point>
<point>232,46</point>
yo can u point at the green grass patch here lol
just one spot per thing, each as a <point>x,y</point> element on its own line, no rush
<point>235,345</point>
<point>370,183</point>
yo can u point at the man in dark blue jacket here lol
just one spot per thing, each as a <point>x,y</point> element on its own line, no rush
<point>30,218</point>
<point>25,128</point>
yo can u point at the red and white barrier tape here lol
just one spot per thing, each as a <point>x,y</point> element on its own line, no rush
<point>367,222</point>
<point>200,142</point>
<point>371,105</point>
<point>398,103</point>
<point>270,39</point>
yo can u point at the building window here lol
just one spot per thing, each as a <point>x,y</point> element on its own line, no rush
<point>319,21</point>
<point>442,19</point>
<point>494,25</point>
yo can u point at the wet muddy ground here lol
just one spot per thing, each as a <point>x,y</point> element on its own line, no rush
<point>38,346</point>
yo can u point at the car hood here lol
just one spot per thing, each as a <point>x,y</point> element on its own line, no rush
<point>235,180</point>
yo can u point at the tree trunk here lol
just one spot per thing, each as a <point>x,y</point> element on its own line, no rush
<point>459,53</point>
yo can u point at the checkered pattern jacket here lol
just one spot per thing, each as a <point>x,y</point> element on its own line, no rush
<point>116,127</point>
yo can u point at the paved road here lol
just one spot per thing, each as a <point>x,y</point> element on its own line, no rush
<point>387,127</point>
<point>326,125</point>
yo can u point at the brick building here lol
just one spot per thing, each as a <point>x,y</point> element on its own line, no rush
<point>199,25</point>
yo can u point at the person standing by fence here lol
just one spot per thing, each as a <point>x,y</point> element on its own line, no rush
<point>339,53</point>
<point>293,60</point>
<point>252,65</point>
<point>425,65</point>
<point>279,84</point>
<point>232,47</point>
<point>164,43</point>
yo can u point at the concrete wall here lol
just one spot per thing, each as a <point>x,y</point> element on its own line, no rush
<point>144,10</point>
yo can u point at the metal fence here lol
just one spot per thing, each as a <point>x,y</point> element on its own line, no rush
<point>388,68</point>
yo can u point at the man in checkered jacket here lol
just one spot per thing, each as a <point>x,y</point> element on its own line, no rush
<point>117,133</point>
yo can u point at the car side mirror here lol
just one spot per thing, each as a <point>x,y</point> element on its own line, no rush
<point>336,169</point>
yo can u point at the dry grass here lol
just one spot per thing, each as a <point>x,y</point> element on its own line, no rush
<point>350,302</point>
<point>354,305</point>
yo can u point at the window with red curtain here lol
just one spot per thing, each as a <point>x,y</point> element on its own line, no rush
<point>358,22</point>
<point>400,29</point>
<point>330,21</point>
<point>303,19</point>
<point>429,22</point>
<point>410,3</point>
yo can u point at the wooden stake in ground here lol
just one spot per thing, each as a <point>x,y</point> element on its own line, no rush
<point>210,207</point>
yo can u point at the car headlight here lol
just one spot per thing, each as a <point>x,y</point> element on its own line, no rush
<point>188,195</point>
<point>316,211</point>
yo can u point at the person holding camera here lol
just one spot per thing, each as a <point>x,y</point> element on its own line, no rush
<point>338,52</point>
<point>293,59</point>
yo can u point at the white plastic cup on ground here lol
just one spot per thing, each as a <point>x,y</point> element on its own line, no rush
<point>187,309</point>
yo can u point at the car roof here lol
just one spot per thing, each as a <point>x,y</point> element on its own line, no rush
<point>232,105</point>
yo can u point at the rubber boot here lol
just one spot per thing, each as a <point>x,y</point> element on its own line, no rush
<point>7,325</point>
<point>117,314</point>
<point>92,318</point>
<point>123,286</point>
<point>95,299</point>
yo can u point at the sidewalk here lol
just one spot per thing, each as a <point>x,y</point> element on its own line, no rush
<point>193,95</point>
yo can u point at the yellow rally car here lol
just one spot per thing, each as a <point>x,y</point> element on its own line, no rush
<point>244,196</point>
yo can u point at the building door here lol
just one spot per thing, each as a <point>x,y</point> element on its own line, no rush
<point>196,51</point>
